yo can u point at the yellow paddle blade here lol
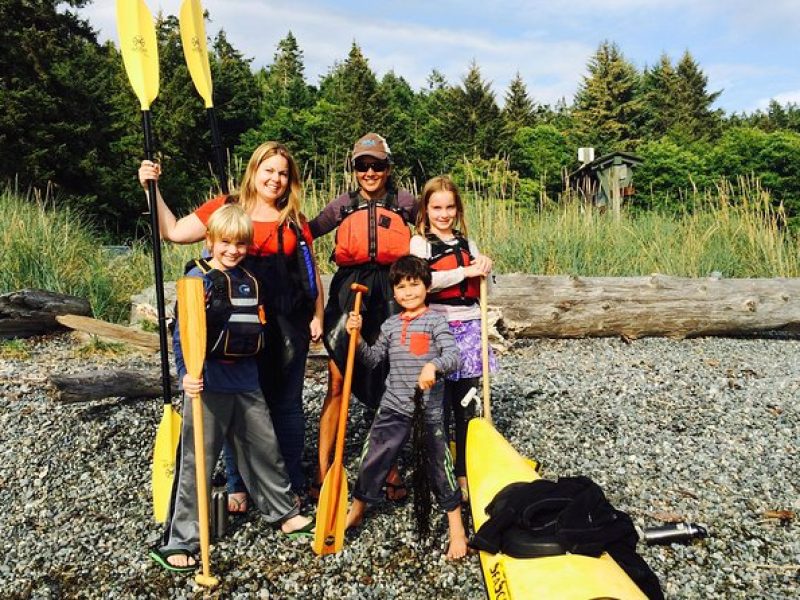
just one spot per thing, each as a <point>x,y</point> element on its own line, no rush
<point>192,323</point>
<point>195,49</point>
<point>331,515</point>
<point>137,41</point>
<point>166,445</point>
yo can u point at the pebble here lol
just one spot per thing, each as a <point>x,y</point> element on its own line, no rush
<point>706,429</point>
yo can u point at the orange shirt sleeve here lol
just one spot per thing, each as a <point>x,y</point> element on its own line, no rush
<point>205,210</point>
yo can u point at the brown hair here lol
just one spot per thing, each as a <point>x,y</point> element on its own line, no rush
<point>410,267</point>
<point>289,204</point>
<point>442,183</point>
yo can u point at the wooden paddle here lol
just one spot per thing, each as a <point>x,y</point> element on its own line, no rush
<point>487,406</point>
<point>192,325</point>
<point>195,50</point>
<point>332,507</point>
<point>137,41</point>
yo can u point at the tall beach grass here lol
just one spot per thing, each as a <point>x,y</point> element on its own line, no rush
<point>736,232</point>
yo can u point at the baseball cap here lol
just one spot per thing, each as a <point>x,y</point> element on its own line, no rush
<point>372,145</point>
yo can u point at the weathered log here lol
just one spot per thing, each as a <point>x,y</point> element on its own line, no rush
<point>32,312</point>
<point>96,385</point>
<point>634,307</point>
<point>111,331</point>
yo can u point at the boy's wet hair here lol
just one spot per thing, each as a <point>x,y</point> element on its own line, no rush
<point>410,267</point>
<point>230,222</point>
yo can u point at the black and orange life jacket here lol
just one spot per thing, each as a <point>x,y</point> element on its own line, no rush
<point>234,313</point>
<point>445,257</point>
<point>375,232</point>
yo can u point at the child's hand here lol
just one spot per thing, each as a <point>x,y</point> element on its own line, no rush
<point>427,377</point>
<point>353,322</point>
<point>192,385</point>
<point>482,265</point>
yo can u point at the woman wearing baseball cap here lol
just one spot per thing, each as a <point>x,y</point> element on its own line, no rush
<point>372,231</point>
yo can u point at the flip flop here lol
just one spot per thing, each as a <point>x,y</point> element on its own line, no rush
<point>396,487</point>
<point>160,558</point>
<point>305,532</point>
<point>240,505</point>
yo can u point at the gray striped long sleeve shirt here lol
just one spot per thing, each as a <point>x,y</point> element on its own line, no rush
<point>409,344</point>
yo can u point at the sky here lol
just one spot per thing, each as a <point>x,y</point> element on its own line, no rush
<point>747,48</point>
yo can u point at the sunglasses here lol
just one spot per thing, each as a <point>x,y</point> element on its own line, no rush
<point>362,166</point>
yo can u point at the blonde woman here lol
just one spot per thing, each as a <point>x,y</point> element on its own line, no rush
<point>270,193</point>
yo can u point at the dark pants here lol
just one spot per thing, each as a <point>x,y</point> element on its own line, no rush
<point>389,432</point>
<point>281,372</point>
<point>459,416</point>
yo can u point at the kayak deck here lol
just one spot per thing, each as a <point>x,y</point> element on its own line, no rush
<point>492,464</point>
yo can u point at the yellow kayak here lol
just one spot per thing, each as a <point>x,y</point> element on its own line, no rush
<point>492,463</point>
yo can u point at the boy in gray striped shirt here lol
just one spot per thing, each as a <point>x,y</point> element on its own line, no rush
<point>418,344</point>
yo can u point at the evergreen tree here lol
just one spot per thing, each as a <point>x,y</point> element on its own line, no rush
<point>395,120</point>
<point>607,107</point>
<point>696,119</point>
<point>519,110</point>
<point>474,122</point>
<point>659,91</point>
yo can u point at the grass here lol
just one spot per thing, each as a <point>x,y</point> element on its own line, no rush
<point>14,350</point>
<point>736,232</point>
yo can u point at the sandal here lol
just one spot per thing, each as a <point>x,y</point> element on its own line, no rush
<point>160,558</point>
<point>305,532</point>
<point>239,504</point>
<point>399,492</point>
<point>314,490</point>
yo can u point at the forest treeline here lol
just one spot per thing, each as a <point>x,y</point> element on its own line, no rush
<point>70,123</point>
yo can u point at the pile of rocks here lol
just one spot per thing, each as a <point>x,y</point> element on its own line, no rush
<point>702,430</point>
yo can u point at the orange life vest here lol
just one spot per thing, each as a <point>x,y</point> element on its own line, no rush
<point>371,232</point>
<point>445,257</point>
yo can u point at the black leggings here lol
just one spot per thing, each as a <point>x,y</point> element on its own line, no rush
<point>458,417</point>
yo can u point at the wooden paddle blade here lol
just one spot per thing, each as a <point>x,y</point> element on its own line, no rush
<point>137,41</point>
<point>331,515</point>
<point>195,48</point>
<point>166,445</point>
<point>192,323</point>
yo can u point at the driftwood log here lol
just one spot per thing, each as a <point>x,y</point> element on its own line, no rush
<point>32,312</point>
<point>634,307</point>
<point>96,385</point>
<point>111,331</point>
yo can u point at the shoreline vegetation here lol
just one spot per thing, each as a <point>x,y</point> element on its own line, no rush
<point>736,233</point>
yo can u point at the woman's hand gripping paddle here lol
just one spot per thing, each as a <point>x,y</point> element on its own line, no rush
<point>137,40</point>
<point>487,406</point>
<point>332,507</point>
<point>195,50</point>
<point>192,324</point>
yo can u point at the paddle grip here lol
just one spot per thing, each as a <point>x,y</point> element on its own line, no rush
<point>166,385</point>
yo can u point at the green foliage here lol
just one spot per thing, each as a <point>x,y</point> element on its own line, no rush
<point>541,153</point>
<point>15,349</point>
<point>607,105</point>
<point>669,175</point>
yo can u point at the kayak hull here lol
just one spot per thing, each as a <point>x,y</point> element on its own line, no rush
<point>492,464</point>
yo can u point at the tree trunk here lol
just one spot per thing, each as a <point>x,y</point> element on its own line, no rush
<point>33,312</point>
<point>634,307</point>
<point>95,385</point>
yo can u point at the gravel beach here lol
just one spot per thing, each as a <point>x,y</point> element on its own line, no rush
<point>704,430</point>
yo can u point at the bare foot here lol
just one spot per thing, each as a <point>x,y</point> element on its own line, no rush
<point>181,560</point>
<point>457,548</point>
<point>355,516</point>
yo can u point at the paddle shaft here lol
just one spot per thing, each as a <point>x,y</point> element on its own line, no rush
<point>487,406</point>
<point>347,386</point>
<point>219,151</point>
<point>157,268</point>
<point>200,480</point>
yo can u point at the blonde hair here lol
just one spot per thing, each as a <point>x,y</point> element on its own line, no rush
<point>230,222</point>
<point>289,204</point>
<point>442,183</point>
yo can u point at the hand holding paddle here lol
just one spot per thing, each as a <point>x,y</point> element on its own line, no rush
<point>332,507</point>
<point>192,325</point>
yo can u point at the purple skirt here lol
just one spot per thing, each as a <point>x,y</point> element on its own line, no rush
<point>468,340</point>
